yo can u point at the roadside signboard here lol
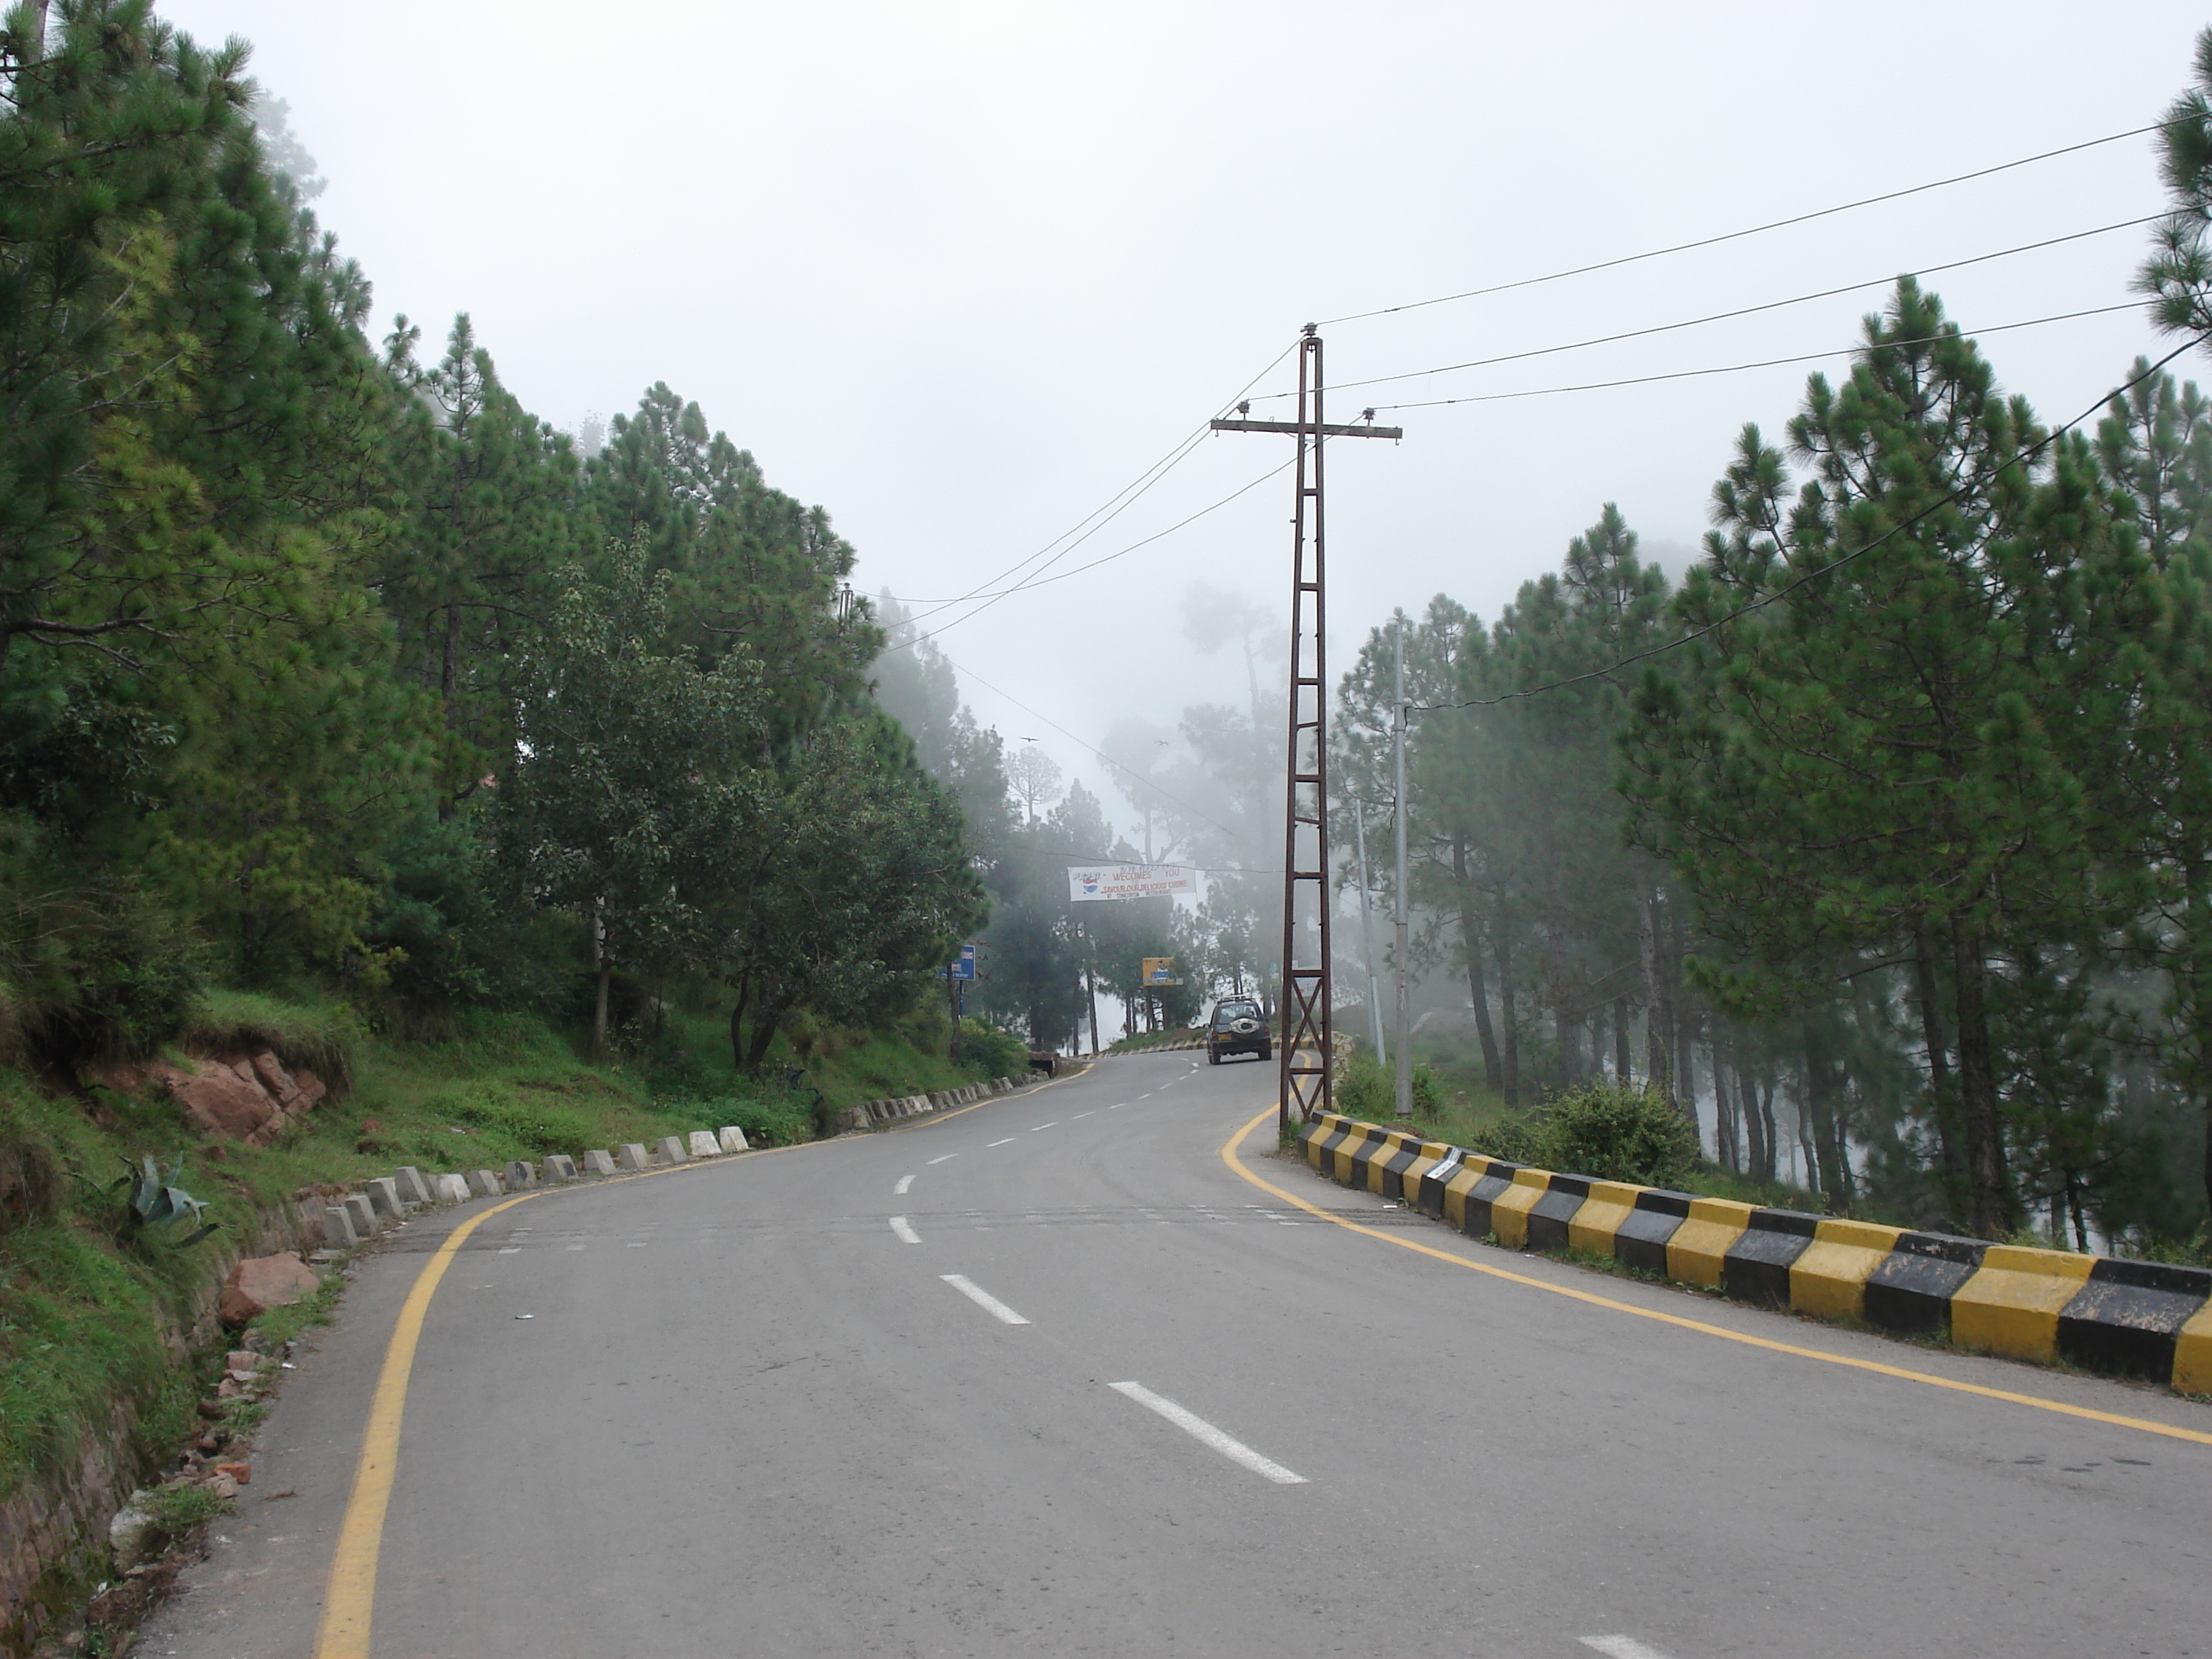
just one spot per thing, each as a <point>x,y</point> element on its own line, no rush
<point>1127,881</point>
<point>1160,970</point>
<point>964,965</point>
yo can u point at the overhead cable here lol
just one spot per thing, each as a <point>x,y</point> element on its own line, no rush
<point>1753,230</point>
<point>1740,311</point>
<point>1829,568</point>
<point>1100,517</point>
<point>1738,368</point>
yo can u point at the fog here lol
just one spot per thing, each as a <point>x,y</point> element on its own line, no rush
<point>962,272</point>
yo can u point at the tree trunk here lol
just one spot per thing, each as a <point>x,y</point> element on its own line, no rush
<point>1621,1062</point>
<point>1478,991</point>
<point>765,1025</point>
<point>1941,1105</point>
<point>1511,1057</point>
<point>1569,1029</point>
<point>600,967</point>
<point>1989,1184</point>
<point>1728,1147</point>
<point>1686,1051</point>
<point>1090,996</point>
<point>1658,1006</point>
<point>738,1024</point>
<point>1820,1107</point>
<point>599,1014</point>
<point>1758,1127</point>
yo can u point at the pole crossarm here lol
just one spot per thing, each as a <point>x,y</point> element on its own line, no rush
<point>1291,428</point>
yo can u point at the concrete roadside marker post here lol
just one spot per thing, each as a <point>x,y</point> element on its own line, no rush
<point>484,1184</point>
<point>672,1148</point>
<point>520,1177</point>
<point>450,1188</point>
<point>384,1197</point>
<point>597,1163</point>
<point>733,1139</point>
<point>559,1167</point>
<point>337,1228</point>
<point>364,1223</point>
<point>632,1157</point>
<point>704,1143</point>
<point>409,1181</point>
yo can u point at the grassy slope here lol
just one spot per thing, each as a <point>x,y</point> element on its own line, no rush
<point>83,1314</point>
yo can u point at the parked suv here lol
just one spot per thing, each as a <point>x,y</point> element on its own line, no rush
<point>1238,1028</point>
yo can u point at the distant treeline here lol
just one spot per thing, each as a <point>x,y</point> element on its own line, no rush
<point>1912,827</point>
<point>321,657</point>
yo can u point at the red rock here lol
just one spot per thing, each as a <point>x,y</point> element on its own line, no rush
<point>241,1472</point>
<point>270,1073</point>
<point>262,1282</point>
<point>221,1101</point>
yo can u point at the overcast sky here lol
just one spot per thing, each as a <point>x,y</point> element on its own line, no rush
<point>961,272</point>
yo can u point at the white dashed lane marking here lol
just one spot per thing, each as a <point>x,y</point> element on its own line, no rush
<point>904,1182</point>
<point>983,1299</point>
<point>1203,1431</point>
<point>1034,1127</point>
<point>947,1157</point>
<point>904,1229</point>
<point>1622,1647</point>
<point>1008,1141</point>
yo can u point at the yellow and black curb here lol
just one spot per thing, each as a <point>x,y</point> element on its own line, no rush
<point>2136,1319</point>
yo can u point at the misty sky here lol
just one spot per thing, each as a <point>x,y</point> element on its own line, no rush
<point>961,272</point>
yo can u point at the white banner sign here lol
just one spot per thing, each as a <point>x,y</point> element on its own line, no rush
<point>1127,881</point>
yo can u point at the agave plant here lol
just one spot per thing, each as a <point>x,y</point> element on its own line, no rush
<point>158,1205</point>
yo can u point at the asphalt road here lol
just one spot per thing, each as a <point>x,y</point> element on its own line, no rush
<point>1048,1377</point>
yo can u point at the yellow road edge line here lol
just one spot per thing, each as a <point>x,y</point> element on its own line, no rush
<point>349,1596</point>
<point>1904,1374</point>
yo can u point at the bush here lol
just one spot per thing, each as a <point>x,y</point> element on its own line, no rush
<point>1365,1088</point>
<point>1001,1053</point>
<point>1603,1130</point>
<point>103,971</point>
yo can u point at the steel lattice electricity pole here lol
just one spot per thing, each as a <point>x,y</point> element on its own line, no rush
<point>1307,1083</point>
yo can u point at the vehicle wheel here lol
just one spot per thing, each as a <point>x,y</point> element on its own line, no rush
<point>1264,1054</point>
<point>1212,1058</point>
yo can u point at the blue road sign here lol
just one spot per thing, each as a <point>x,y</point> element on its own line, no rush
<point>964,966</point>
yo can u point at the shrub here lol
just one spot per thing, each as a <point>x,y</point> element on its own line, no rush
<point>1603,1130</point>
<point>1001,1053</point>
<point>104,971</point>
<point>1365,1088</point>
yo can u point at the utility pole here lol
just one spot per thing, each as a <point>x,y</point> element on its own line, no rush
<point>1307,1083</point>
<point>1403,938</point>
<point>1367,933</point>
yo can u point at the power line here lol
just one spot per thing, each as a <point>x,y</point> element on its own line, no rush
<point>1738,368</point>
<point>1755,230</point>
<point>1121,500</point>
<point>1502,397</point>
<point>1829,568</point>
<point>1741,311</point>
<point>1107,558</point>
